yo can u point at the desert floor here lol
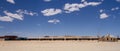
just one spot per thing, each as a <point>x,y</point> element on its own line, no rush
<point>59,46</point>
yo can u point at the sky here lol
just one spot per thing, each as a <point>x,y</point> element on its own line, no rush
<point>59,17</point>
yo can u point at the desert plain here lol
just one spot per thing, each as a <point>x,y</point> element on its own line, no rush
<point>59,46</point>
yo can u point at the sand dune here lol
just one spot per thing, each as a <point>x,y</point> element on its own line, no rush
<point>59,46</point>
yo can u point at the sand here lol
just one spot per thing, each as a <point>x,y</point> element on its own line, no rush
<point>59,46</point>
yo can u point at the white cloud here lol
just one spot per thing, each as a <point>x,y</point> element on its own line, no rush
<point>11,1</point>
<point>12,15</point>
<point>102,0</point>
<point>116,8</point>
<point>9,17</point>
<point>54,21</point>
<point>6,18</point>
<point>92,3</point>
<point>101,10</point>
<point>103,16</point>
<point>47,0</point>
<point>77,6</point>
<point>73,7</point>
<point>83,0</point>
<point>51,11</point>
<point>20,11</point>
<point>118,0</point>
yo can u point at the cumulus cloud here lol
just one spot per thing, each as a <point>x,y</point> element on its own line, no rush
<point>73,7</point>
<point>47,0</point>
<point>102,0</point>
<point>83,0</point>
<point>20,11</point>
<point>6,18</point>
<point>11,1</point>
<point>118,0</point>
<point>77,6</point>
<point>101,10</point>
<point>54,21</point>
<point>92,3</point>
<point>69,7</point>
<point>116,8</point>
<point>14,15</point>
<point>103,16</point>
<point>19,15</point>
<point>51,11</point>
<point>9,17</point>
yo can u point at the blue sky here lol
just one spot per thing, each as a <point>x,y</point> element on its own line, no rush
<point>59,17</point>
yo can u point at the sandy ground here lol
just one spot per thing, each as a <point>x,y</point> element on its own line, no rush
<point>59,46</point>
